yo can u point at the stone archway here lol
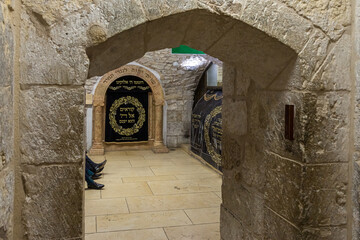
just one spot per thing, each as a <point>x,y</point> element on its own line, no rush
<point>255,175</point>
<point>157,103</point>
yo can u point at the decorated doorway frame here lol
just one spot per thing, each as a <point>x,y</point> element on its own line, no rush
<point>156,104</point>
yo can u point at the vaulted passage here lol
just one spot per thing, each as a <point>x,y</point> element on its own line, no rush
<point>255,64</point>
<point>286,174</point>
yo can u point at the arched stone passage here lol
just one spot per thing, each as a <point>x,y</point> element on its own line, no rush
<point>253,62</point>
<point>99,106</point>
<point>270,183</point>
<point>260,75</point>
<point>226,38</point>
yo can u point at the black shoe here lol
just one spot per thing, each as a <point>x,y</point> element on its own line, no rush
<point>95,185</point>
<point>98,170</point>
<point>96,176</point>
<point>101,165</point>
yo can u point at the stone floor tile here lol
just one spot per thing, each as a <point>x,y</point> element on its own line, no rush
<point>178,153</point>
<point>105,206</point>
<point>158,156</point>
<point>173,202</point>
<point>90,224</point>
<point>195,232</point>
<point>129,172</point>
<point>185,161</point>
<point>113,158</point>
<point>146,234</point>
<point>141,220</point>
<point>116,153</point>
<point>185,186</point>
<point>109,179</point>
<point>204,215</point>
<point>198,176</point>
<point>179,170</point>
<point>148,179</point>
<point>149,163</point>
<point>91,194</point>
<point>117,164</point>
<point>140,153</point>
<point>125,190</point>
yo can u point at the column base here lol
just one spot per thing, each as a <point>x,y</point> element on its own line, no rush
<point>97,149</point>
<point>160,149</point>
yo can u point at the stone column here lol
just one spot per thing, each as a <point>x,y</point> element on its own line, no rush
<point>98,147</point>
<point>151,117</point>
<point>159,146</point>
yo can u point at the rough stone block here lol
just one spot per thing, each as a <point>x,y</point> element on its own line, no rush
<point>278,228</point>
<point>183,140</point>
<point>244,203</point>
<point>331,16</point>
<point>305,71</point>
<point>175,128</point>
<point>43,62</point>
<point>234,114</point>
<point>325,207</point>
<point>52,11</point>
<point>117,51</point>
<point>325,233</point>
<point>6,48</point>
<point>230,227</point>
<point>277,19</point>
<point>52,125</point>
<point>6,126</point>
<point>357,106</point>
<point>229,78</point>
<point>233,152</point>
<point>325,195</point>
<point>321,124</point>
<point>235,82</point>
<point>314,52</point>
<point>268,54</point>
<point>158,31</point>
<point>299,73</point>
<point>159,8</point>
<point>7,191</point>
<point>53,206</point>
<point>201,38</point>
<point>283,187</point>
<point>356,199</point>
<point>171,141</point>
<point>334,72</point>
<point>326,124</point>
<point>267,122</point>
<point>251,170</point>
<point>327,176</point>
<point>174,116</point>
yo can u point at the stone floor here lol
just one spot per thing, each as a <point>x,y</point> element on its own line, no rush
<point>151,196</point>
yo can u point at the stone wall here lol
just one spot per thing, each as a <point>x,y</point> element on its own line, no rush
<point>6,119</point>
<point>356,157</point>
<point>51,112</point>
<point>293,189</point>
<point>278,52</point>
<point>179,83</point>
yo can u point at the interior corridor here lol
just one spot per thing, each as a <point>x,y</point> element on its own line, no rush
<point>147,196</point>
